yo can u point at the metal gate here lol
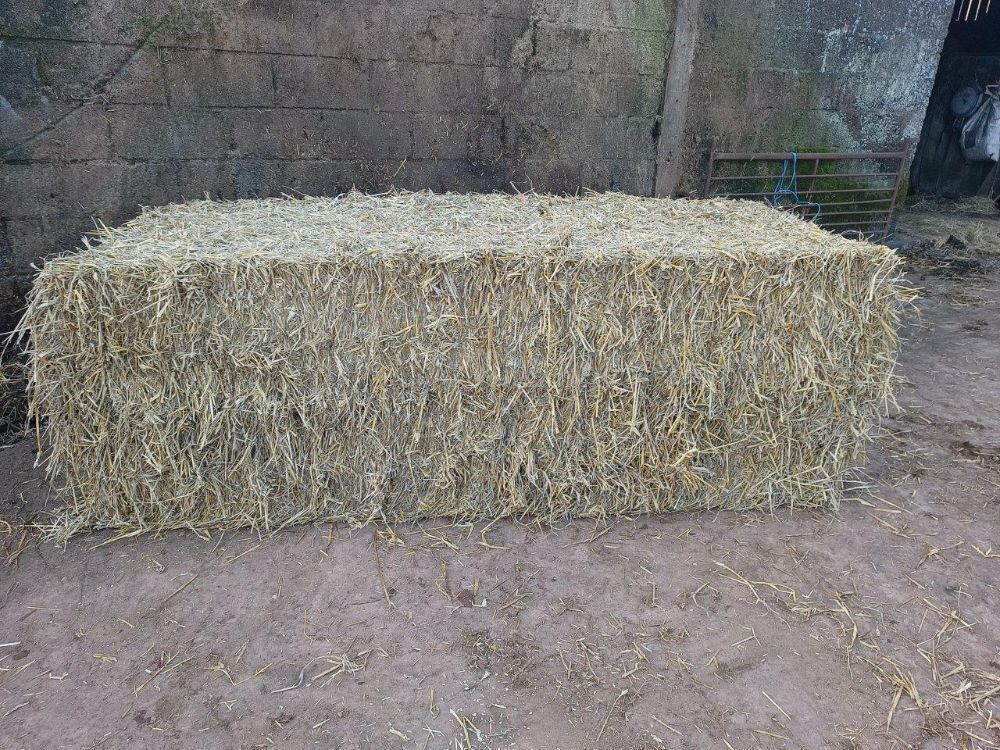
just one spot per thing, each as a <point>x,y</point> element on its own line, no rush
<point>851,193</point>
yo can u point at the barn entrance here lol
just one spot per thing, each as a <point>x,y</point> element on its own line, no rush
<point>961,129</point>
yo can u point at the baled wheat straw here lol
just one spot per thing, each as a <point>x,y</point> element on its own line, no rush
<point>395,357</point>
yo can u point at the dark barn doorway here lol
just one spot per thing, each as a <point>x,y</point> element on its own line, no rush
<point>969,71</point>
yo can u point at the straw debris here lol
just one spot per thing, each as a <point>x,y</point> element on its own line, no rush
<point>412,355</point>
<point>13,405</point>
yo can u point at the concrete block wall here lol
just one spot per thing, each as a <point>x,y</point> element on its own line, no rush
<point>109,104</point>
<point>838,75</point>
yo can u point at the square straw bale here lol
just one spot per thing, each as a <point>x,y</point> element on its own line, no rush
<point>395,357</point>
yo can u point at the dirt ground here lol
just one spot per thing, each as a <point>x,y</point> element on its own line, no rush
<point>877,626</point>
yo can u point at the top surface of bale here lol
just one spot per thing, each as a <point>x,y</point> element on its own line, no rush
<point>449,227</point>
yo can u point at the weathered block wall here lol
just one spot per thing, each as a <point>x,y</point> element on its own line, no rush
<point>838,75</point>
<point>108,104</point>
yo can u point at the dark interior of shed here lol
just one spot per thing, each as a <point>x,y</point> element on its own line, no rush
<point>970,58</point>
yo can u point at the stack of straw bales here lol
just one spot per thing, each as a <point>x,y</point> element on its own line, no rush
<point>404,356</point>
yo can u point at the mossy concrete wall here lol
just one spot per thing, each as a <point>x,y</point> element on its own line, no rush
<point>109,104</point>
<point>839,75</point>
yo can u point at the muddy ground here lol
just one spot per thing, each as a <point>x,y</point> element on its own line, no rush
<point>877,626</point>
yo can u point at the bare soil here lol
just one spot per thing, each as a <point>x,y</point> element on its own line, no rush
<point>876,626</point>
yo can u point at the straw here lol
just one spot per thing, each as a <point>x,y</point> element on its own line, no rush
<point>13,381</point>
<point>360,358</point>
